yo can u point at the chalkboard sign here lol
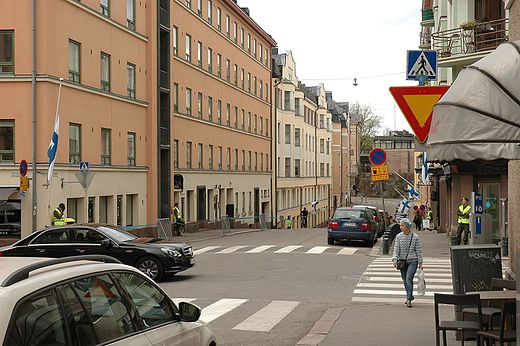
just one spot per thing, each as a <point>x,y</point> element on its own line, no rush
<point>473,267</point>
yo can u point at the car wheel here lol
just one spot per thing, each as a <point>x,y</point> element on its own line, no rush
<point>151,266</point>
<point>330,241</point>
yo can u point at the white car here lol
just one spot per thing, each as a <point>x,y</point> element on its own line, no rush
<point>91,300</point>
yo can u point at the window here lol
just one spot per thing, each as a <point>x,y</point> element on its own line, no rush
<point>175,41</point>
<point>261,162</point>
<point>105,72</point>
<point>255,124</point>
<point>105,7</point>
<point>266,58</point>
<point>210,158</point>
<point>242,78</point>
<point>287,166</point>
<point>322,169</point>
<point>266,127</point>
<point>322,146</point>
<point>219,65</point>
<point>266,162</point>
<point>210,60</point>
<point>188,48</point>
<point>242,37</point>
<point>74,61</point>
<point>219,158</point>
<point>199,54</point>
<point>54,236</point>
<point>327,148</point>
<point>7,51</point>
<point>236,117</point>
<point>296,167</point>
<point>249,82</point>
<point>296,137</point>
<point>6,141</point>
<point>74,143</point>
<point>188,4</point>
<point>152,305</point>
<point>228,68</point>
<point>249,43</point>
<point>243,119</point>
<point>199,8</point>
<point>175,153</point>
<point>227,26</point>
<point>243,160</point>
<point>176,97</point>
<point>210,108</point>
<point>105,147</point>
<point>210,11</point>
<point>235,32</point>
<point>219,18</point>
<point>131,80</point>
<point>30,322</point>
<point>278,132</point>
<point>254,47</point>
<point>260,53</point>
<point>199,104</point>
<point>188,155</point>
<point>328,170</point>
<point>254,86</point>
<point>228,159</point>
<point>129,209</point>
<point>249,160</point>
<point>235,73</point>
<point>200,155</point>
<point>322,121</point>
<point>131,149</point>
<point>228,114</point>
<point>256,161</point>
<point>188,101</point>
<point>219,111</point>
<point>249,121</point>
<point>287,98</point>
<point>287,134</point>
<point>236,159</point>
<point>261,90</point>
<point>130,14</point>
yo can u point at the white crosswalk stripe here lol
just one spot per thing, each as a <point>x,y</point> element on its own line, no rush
<point>260,249</point>
<point>288,249</point>
<point>232,249</point>
<point>265,319</point>
<point>205,249</point>
<point>318,249</point>
<point>382,283</point>
<point>220,308</point>
<point>282,250</point>
<point>347,251</point>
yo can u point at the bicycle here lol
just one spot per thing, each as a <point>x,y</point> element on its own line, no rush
<point>179,227</point>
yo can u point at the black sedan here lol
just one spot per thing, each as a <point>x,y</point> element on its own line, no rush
<point>351,224</point>
<point>152,256</point>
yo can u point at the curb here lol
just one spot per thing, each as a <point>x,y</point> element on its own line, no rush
<point>321,328</point>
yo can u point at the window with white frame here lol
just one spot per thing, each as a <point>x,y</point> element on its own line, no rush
<point>287,134</point>
<point>7,52</point>
<point>74,60</point>
<point>130,14</point>
<point>188,47</point>
<point>131,148</point>
<point>188,101</point>
<point>130,68</point>
<point>105,72</point>
<point>105,147</point>
<point>74,143</point>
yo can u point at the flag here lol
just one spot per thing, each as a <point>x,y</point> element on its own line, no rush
<point>53,147</point>
<point>424,171</point>
<point>412,193</point>
<point>404,206</point>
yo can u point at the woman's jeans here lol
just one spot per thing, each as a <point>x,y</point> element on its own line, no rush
<point>407,274</point>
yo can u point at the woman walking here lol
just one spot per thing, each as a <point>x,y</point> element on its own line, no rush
<point>408,255</point>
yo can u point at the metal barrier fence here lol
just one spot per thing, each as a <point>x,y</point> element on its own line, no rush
<point>237,224</point>
<point>164,229</point>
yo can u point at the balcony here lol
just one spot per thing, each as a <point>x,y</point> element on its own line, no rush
<point>425,38</point>
<point>427,13</point>
<point>473,43</point>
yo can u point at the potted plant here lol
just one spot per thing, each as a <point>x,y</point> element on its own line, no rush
<point>468,35</point>
<point>469,25</point>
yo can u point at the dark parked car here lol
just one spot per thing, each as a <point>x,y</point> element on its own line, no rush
<point>352,224</point>
<point>152,256</point>
<point>378,217</point>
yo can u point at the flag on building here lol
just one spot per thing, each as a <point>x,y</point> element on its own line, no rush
<point>53,147</point>
<point>424,171</point>
<point>404,206</point>
<point>412,193</point>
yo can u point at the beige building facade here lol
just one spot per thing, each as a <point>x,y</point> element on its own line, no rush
<point>221,97</point>
<point>303,139</point>
<point>103,53</point>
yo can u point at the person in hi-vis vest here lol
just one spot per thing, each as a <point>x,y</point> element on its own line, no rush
<point>463,220</point>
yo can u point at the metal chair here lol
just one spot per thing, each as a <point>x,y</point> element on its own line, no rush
<point>490,312</point>
<point>451,325</point>
<point>502,335</point>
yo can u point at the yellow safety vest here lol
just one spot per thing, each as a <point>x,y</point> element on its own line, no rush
<point>176,214</point>
<point>464,219</point>
<point>289,223</point>
<point>430,215</point>
<point>58,221</point>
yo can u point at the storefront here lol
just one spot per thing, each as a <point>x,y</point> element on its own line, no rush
<point>10,211</point>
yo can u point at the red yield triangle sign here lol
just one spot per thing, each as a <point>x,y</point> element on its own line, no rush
<point>416,103</point>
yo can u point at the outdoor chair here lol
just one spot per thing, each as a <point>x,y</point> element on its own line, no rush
<point>451,325</point>
<point>492,310</point>
<point>502,335</point>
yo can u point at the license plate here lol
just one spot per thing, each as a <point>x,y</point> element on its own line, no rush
<point>192,260</point>
<point>349,224</point>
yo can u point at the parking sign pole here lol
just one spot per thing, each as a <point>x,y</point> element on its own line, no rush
<point>383,199</point>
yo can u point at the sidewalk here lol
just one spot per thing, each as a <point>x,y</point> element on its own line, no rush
<point>393,324</point>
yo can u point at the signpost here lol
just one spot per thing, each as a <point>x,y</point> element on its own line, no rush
<point>379,170</point>
<point>379,173</point>
<point>416,103</point>
<point>421,64</point>
<point>377,156</point>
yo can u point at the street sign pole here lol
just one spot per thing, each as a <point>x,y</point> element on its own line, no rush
<point>383,199</point>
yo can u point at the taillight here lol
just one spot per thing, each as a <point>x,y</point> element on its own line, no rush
<point>333,225</point>
<point>1,254</point>
<point>365,227</point>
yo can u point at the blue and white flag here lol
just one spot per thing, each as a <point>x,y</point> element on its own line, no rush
<point>53,147</point>
<point>424,171</point>
<point>404,206</point>
<point>412,193</point>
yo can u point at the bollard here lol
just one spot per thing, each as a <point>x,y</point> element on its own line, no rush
<point>505,248</point>
<point>386,245</point>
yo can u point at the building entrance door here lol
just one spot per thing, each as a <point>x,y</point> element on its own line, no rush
<point>201,203</point>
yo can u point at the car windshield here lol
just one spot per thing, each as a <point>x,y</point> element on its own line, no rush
<point>344,214</point>
<point>117,234</point>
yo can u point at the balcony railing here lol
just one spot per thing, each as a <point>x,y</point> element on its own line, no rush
<point>456,42</point>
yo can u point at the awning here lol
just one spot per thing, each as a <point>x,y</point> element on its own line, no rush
<point>5,192</point>
<point>478,118</point>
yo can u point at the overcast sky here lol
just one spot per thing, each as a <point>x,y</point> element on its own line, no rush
<point>335,41</point>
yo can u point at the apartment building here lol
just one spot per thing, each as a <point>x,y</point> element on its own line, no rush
<point>303,134</point>
<point>103,50</point>
<point>221,94</point>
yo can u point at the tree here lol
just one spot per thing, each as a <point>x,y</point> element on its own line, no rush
<point>370,124</point>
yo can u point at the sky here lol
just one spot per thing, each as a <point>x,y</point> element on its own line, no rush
<point>335,41</point>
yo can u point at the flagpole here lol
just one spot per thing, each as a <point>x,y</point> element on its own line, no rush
<point>400,194</point>
<point>413,185</point>
<point>51,164</point>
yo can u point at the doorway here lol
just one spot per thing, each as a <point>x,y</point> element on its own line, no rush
<point>257,203</point>
<point>491,201</point>
<point>201,203</point>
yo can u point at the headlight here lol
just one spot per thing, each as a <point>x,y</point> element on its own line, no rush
<point>171,252</point>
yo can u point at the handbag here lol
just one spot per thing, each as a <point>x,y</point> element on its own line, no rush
<point>401,264</point>
<point>421,282</point>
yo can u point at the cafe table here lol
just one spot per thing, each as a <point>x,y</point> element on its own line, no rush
<point>496,295</point>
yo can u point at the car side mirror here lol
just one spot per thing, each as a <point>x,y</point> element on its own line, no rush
<point>189,312</point>
<point>106,243</point>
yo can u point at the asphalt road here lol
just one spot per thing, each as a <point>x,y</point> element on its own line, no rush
<point>269,288</point>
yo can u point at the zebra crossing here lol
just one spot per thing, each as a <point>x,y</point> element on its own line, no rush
<point>382,283</point>
<point>262,320</point>
<point>246,249</point>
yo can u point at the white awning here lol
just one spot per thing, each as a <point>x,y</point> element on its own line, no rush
<point>479,116</point>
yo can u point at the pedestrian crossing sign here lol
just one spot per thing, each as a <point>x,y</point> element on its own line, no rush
<point>421,63</point>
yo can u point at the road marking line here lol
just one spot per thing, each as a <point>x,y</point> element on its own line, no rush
<point>260,249</point>
<point>396,273</point>
<point>386,265</point>
<point>392,279</point>
<point>232,249</point>
<point>318,249</point>
<point>394,293</point>
<point>391,268</point>
<point>425,260</point>
<point>389,300</point>
<point>205,249</point>
<point>265,319</point>
<point>347,251</point>
<point>288,249</point>
<point>400,286</point>
<point>180,300</point>
<point>219,308</point>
